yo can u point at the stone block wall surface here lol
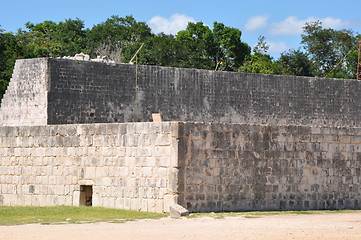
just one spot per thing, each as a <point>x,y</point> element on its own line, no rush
<point>230,167</point>
<point>286,143</point>
<point>128,165</point>
<point>85,92</point>
<point>62,91</point>
<point>200,166</point>
<point>25,101</point>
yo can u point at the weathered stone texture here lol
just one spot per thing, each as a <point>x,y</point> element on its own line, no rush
<point>228,167</point>
<point>62,91</point>
<point>200,166</point>
<point>25,101</point>
<point>307,156</point>
<point>84,92</point>
<point>127,164</point>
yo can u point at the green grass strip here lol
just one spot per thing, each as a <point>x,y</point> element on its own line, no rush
<point>66,214</point>
<point>78,215</point>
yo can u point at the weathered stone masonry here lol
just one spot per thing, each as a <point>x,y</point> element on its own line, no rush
<point>285,142</point>
<point>228,167</point>
<point>201,166</point>
<point>59,91</point>
<point>128,165</point>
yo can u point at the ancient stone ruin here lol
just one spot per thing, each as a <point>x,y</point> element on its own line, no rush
<point>75,132</point>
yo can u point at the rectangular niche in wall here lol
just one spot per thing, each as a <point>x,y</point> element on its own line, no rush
<point>86,195</point>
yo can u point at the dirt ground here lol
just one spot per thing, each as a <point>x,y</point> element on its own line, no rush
<point>319,226</point>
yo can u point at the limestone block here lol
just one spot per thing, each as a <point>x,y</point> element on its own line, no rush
<point>150,192</point>
<point>122,172</point>
<point>162,173</point>
<point>132,140</point>
<point>147,151</point>
<point>135,204</point>
<point>5,200</point>
<point>13,200</point>
<point>151,205</point>
<point>144,205</point>
<point>173,180</point>
<point>166,151</point>
<point>107,182</point>
<point>164,162</point>
<point>131,152</point>
<point>150,162</point>
<point>119,203</point>
<point>177,211</point>
<point>126,203</point>
<point>28,200</point>
<point>169,200</point>
<point>101,171</point>
<point>147,171</point>
<point>89,173</point>
<point>130,161</point>
<point>155,127</point>
<point>159,206</point>
<point>174,153</point>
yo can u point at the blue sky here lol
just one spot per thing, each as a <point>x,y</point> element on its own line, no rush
<point>280,22</point>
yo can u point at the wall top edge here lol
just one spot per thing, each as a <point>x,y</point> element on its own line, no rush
<point>168,123</point>
<point>33,59</point>
<point>49,59</point>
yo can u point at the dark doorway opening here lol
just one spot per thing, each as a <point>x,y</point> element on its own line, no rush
<point>86,195</point>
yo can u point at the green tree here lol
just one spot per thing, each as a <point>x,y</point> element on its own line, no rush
<point>50,39</point>
<point>9,50</point>
<point>260,61</point>
<point>220,48</point>
<point>262,46</point>
<point>117,37</point>
<point>295,62</point>
<point>162,50</point>
<point>198,44</point>
<point>332,51</point>
<point>231,50</point>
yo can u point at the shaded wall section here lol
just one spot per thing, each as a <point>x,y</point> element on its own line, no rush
<point>85,92</point>
<point>61,91</point>
<point>240,167</point>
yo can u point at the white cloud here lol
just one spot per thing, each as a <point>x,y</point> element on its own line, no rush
<point>330,22</point>
<point>255,23</point>
<point>294,26</point>
<point>174,24</point>
<point>277,47</point>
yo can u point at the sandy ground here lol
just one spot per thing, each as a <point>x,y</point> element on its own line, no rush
<point>320,226</point>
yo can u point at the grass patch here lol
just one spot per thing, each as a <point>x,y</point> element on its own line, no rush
<point>79,215</point>
<point>258,214</point>
<point>66,214</point>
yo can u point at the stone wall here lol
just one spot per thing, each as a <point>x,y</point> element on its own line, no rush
<point>201,166</point>
<point>84,92</point>
<point>62,91</point>
<point>229,167</point>
<point>307,156</point>
<point>25,101</point>
<point>128,165</point>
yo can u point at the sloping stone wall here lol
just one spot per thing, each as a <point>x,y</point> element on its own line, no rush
<point>85,92</point>
<point>62,91</point>
<point>26,99</point>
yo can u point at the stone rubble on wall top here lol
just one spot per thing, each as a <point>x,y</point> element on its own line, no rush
<point>86,57</point>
